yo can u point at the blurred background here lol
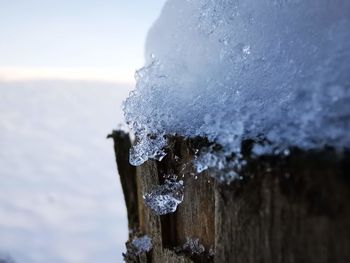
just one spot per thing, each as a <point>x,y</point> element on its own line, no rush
<point>65,68</point>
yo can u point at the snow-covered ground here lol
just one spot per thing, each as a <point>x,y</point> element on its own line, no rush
<point>60,198</point>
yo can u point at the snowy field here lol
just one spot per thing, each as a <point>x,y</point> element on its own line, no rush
<point>60,198</point>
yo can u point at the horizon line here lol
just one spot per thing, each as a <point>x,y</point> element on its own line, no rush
<point>110,75</point>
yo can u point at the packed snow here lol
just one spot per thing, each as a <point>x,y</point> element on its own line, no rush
<point>274,71</point>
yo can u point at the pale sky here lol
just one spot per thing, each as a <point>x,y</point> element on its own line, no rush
<point>74,39</point>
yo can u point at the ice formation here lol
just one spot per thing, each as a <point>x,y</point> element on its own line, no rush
<point>165,198</point>
<point>272,70</point>
<point>141,244</point>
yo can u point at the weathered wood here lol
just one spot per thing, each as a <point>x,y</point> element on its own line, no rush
<point>170,231</point>
<point>285,209</point>
<point>127,175</point>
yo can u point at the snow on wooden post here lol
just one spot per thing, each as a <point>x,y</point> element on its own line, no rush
<point>285,209</point>
<point>265,84</point>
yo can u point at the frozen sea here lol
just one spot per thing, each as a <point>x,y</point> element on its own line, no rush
<point>60,197</point>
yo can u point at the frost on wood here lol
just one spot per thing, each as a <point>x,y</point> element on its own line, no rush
<point>136,247</point>
<point>165,198</point>
<point>276,72</point>
<point>193,246</point>
<point>224,168</point>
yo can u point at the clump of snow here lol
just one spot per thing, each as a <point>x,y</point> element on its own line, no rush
<point>165,198</point>
<point>149,146</point>
<point>277,70</point>
<point>142,244</point>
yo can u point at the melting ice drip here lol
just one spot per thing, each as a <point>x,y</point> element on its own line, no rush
<point>236,70</point>
<point>164,199</point>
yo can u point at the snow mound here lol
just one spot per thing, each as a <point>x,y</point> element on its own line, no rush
<point>272,70</point>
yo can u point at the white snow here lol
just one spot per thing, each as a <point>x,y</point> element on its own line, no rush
<point>277,70</point>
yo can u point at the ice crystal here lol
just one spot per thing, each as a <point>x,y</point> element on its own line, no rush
<point>165,198</point>
<point>141,244</point>
<point>193,246</point>
<point>225,168</point>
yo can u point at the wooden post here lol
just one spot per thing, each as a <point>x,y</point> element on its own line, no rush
<point>285,209</point>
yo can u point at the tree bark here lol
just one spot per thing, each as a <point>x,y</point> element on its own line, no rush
<point>285,209</point>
